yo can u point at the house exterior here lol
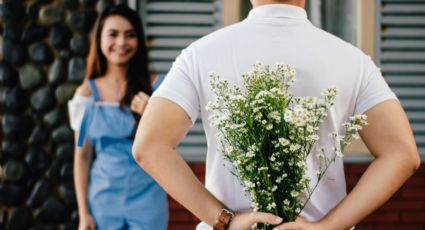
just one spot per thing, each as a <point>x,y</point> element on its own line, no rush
<point>43,45</point>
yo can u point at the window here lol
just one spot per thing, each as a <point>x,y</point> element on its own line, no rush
<point>400,50</point>
<point>170,26</point>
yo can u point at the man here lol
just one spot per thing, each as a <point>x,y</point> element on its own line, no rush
<point>275,32</point>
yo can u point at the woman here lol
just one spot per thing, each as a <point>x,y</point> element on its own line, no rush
<point>113,192</point>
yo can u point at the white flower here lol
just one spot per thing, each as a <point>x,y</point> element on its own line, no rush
<point>237,98</point>
<point>249,184</point>
<point>301,163</point>
<point>271,206</point>
<point>294,193</point>
<point>310,129</point>
<point>250,154</point>
<point>229,149</point>
<point>288,116</point>
<point>275,115</point>
<point>283,141</point>
<point>263,168</point>
<point>300,116</point>
<point>294,147</point>
<point>330,92</point>
<point>209,107</point>
<point>279,179</point>
<point>314,137</point>
<point>219,136</point>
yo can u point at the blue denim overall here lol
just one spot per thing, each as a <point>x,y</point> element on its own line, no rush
<point>121,195</point>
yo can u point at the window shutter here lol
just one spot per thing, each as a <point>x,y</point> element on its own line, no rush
<point>170,27</point>
<point>401,53</point>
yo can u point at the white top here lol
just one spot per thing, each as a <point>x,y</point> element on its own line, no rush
<point>276,33</point>
<point>76,108</point>
<point>77,105</point>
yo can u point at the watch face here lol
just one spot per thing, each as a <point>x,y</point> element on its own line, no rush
<point>223,220</point>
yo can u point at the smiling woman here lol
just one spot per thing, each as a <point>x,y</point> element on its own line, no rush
<point>112,191</point>
<point>119,40</point>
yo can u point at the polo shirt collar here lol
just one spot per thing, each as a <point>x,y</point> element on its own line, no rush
<point>278,11</point>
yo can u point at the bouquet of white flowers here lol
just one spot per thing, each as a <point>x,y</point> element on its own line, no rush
<point>267,134</point>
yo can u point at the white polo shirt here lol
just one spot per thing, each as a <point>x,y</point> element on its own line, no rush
<point>276,33</point>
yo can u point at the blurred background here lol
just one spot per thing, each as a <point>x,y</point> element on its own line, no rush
<point>43,46</point>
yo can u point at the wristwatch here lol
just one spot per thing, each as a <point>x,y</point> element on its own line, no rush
<point>224,219</point>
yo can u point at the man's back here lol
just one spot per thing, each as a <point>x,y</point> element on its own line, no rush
<point>282,34</point>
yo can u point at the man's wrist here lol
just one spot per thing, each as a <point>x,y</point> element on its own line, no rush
<point>325,223</point>
<point>223,219</point>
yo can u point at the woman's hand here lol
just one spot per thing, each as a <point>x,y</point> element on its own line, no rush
<point>139,103</point>
<point>86,222</point>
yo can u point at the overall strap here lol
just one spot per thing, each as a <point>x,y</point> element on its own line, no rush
<point>83,131</point>
<point>93,89</point>
<point>158,81</point>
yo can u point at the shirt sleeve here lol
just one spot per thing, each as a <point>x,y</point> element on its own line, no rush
<point>76,108</point>
<point>179,85</point>
<point>373,88</point>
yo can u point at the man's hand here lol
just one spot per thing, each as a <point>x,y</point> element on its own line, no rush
<point>246,220</point>
<point>300,224</point>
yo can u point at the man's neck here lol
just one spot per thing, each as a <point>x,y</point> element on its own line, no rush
<point>257,3</point>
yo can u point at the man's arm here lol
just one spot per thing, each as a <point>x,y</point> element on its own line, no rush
<point>389,138</point>
<point>162,127</point>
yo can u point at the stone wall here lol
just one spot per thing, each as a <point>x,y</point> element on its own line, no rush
<point>44,44</point>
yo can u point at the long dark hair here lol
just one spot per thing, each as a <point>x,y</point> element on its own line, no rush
<point>138,78</point>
